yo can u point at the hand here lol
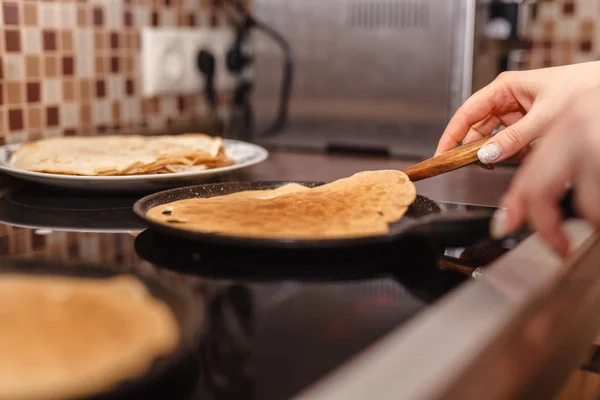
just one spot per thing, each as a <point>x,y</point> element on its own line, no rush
<point>527,103</point>
<point>568,154</point>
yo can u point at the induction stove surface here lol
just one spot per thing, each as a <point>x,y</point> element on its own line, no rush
<point>275,326</point>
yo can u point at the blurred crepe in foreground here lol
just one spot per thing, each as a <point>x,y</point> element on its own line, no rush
<point>66,337</point>
<point>121,155</point>
<point>361,205</point>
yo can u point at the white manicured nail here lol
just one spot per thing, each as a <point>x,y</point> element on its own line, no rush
<point>489,153</point>
<point>498,225</point>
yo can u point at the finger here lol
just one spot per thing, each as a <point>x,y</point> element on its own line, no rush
<point>541,184</point>
<point>481,129</point>
<point>475,109</point>
<point>512,139</point>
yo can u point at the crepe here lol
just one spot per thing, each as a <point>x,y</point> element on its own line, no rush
<point>74,337</point>
<point>121,155</point>
<point>361,205</point>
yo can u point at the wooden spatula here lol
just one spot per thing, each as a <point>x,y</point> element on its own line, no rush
<point>446,162</point>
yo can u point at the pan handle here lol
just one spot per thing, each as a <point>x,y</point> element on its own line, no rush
<point>457,229</point>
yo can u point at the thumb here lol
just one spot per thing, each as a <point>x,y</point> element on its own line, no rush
<point>511,140</point>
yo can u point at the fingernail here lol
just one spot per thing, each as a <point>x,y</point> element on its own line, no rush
<point>498,225</point>
<point>489,153</point>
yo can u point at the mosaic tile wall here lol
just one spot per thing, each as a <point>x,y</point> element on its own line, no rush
<point>565,32</point>
<point>72,66</point>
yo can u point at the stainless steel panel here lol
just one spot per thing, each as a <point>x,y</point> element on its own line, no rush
<point>385,68</point>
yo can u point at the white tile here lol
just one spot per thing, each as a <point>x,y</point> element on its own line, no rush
<point>14,67</point>
<point>156,123</point>
<point>84,49</point>
<point>69,115</point>
<point>101,112</point>
<point>191,5</point>
<point>141,16</point>
<point>49,15</point>
<point>168,18</point>
<point>116,87</point>
<point>32,40</point>
<point>114,15</point>
<point>17,137</point>
<point>168,106</point>
<point>52,132</point>
<point>51,91</point>
<point>68,12</point>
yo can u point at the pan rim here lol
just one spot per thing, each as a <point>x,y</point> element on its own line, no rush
<point>140,208</point>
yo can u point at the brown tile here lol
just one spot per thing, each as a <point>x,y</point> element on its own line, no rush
<point>50,66</point>
<point>15,119</point>
<point>30,12</point>
<point>129,87</point>
<point>100,65</point>
<point>12,40</point>
<point>114,40</point>
<point>85,115</point>
<point>191,20</point>
<point>69,132</point>
<point>114,64</point>
<point>52,118</point>
<point>68,90</point>
<point>68,65</point>
<point>34,118</point>
<point>568,7</point>
<point>66,41</point>
<point>586,46</point>
<point>99,40</point>
<point>155,21</point>
<point>1,97</point>
<point>100,88</point>
<point>127,18</point>
<point>129,64</point>
<point>49,40</point>
<point>34,92</point>
<point>32,66</point>
<point>14,93</point>
<point>11,13</point>
<point>150,106</point>
<point>98,14</point>
<point>85,87</point>
<point>587,29</point>
<point>83,16</point>
<point>116,111</point>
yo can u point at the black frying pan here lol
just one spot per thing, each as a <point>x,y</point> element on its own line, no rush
<point>425,218</point>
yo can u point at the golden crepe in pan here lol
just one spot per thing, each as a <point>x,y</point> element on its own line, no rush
<point>67,337</point>
<point>361,205</point>
<point>121,155</point>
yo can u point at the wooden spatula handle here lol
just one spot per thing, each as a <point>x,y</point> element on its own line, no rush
<point>445,162</point>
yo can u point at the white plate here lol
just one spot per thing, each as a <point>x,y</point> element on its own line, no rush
<point>244,154</point>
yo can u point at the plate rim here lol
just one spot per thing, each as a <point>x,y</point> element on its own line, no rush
<point>262,154</point>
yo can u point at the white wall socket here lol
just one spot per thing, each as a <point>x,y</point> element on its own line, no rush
<point>169,59</point>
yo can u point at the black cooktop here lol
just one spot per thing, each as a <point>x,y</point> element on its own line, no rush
<point>273,328</point>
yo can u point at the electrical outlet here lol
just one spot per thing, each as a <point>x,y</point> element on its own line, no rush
<point>169,59</point>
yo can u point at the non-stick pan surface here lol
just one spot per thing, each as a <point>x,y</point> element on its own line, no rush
<point>425,218</point>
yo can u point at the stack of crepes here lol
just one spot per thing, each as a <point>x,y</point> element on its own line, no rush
<point>122,155</point>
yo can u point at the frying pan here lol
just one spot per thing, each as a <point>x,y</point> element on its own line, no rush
<point>424,220</point>
<point>172,376</point>
<point>423,217</point>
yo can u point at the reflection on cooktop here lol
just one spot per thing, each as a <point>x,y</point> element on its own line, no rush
<point>41,208</point>
<point>421,277</point>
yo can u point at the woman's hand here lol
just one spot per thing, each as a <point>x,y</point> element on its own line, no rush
<point>527,103</point>
<point>569,154</point>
